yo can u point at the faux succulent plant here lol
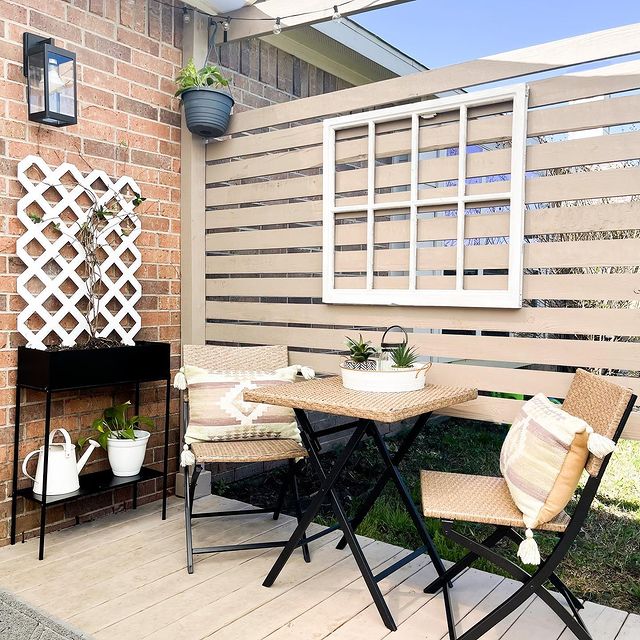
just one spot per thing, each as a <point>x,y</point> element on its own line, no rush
<point>359,350</point>
<point>404,356</point>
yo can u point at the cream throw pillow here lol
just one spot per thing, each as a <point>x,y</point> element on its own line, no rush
<point>542,459</point>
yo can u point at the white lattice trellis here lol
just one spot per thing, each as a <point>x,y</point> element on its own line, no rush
<point>45,260</point>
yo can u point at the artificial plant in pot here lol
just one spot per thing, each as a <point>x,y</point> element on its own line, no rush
<point>207,109</point>
<point>360,355</point>
<point>125,444</point>
<point>403,357</point>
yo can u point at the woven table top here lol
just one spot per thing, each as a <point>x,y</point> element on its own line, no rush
<point>329,396</point>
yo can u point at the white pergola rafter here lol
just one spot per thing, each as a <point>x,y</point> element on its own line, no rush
<point>255,18</point>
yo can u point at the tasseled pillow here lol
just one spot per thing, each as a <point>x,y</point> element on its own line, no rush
<point>542,459</point>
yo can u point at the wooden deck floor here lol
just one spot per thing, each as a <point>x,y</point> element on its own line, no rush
<point>124,578</point>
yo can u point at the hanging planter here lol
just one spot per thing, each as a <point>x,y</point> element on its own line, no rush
<point>207,108</point>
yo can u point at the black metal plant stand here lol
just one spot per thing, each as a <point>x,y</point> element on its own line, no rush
<point>71,370</point>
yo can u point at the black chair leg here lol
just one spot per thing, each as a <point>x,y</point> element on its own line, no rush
<point>281,496</point>
<point>296,503</point>
<point>188,506</point>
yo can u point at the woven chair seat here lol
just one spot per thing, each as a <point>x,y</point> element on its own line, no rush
<point>248,450</point>
<point>469,498</point>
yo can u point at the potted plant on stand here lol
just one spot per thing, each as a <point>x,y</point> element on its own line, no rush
<point>124,443</point>
<point>207,109</point>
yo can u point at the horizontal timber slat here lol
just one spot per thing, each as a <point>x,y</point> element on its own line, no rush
<point>592,47</point>
<point>573,117</point>
<point>619,286</point>
<point>573,186</point>
<point>610,322</point>
<point>576,353</point>
<point>572,86</point>
<point>582,253</point>
<point>613,217</point>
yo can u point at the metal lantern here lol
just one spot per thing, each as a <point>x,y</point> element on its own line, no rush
<point>51,82</point>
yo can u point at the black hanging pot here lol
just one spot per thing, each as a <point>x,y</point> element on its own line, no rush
<point>207,111</point>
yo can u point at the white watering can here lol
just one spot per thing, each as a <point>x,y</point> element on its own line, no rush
<point>62,476</point>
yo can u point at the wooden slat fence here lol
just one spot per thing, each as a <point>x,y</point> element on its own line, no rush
<point>582,226</point>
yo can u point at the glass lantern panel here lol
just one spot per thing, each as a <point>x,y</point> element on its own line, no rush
<point>36,82</point>
<point>61,84</point>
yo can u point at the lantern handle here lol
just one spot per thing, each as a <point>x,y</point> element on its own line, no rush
<point>394,326</point>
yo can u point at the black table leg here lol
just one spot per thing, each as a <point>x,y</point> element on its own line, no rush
<point>374,494</point>
<point>326,488</point>
<point>45,475</point>
<point>403,490</point>
<point>14,481</point>
<point>165,469</point>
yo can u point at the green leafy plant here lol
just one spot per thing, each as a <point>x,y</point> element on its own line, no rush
<point>114,423</point>
<point>359,350</point>
<point>404,356</point>
<point>191,78</point>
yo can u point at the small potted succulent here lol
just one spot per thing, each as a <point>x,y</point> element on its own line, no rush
<point>124,443</point>
<point>398,371</point>
<point>207,110</point>
<point>360,355</point>
<point>403,357</point>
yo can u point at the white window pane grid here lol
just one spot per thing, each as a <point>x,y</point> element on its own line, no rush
<point>396,269</point>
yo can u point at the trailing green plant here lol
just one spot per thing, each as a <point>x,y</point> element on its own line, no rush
<point>114,423</point>
<point>404,356</point>
<point>359,350</point>
<point>190,77</point>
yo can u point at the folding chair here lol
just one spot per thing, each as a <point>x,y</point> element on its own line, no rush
<point>460,497</point>
<point>238,451</point>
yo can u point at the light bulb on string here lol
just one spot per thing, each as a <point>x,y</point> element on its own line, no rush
<point>186,16</point>
<point>277,27</point>
<point>337,16</point>
<point>226,24</point>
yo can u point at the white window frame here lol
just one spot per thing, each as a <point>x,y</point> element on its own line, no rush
<point>508,298</point>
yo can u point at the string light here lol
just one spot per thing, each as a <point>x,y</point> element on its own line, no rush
<point>277,27</point>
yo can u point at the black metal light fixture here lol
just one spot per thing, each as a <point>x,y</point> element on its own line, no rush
<point>51,81</point>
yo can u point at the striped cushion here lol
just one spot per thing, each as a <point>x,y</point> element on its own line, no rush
<point>218,412</point>
<point>542,459</point>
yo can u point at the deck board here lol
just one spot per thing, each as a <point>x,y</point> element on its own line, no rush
<point>141,590</point>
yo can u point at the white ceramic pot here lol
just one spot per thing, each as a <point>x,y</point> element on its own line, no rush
<point>126,456</point>
<point>393,380</point>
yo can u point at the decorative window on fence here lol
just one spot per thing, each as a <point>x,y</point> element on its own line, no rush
<point>424,203</point>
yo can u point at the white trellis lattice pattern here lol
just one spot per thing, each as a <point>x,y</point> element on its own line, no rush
<point>47,262</point>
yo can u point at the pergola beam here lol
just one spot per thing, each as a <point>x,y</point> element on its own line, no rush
<point>257,20</point>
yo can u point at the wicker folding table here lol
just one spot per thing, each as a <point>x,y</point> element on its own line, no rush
<point>327,395</point>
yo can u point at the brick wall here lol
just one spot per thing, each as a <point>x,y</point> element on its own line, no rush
<point>128,52</point>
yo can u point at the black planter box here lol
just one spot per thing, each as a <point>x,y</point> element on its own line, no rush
<point>81,368</point>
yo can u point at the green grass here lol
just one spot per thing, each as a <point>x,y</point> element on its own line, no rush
<point>604,563</point>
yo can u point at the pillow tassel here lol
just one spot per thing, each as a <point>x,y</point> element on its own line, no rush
<point>180,381</point>
<point>528,550</point>
<point>307,373</point>
<point>187,457</point>
<point>599,445</point>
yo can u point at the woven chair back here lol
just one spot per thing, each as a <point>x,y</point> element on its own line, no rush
<point>217,358</point>
<point>598,402</point>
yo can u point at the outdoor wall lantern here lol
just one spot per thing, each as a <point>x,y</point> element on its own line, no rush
<point>51,81</point>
